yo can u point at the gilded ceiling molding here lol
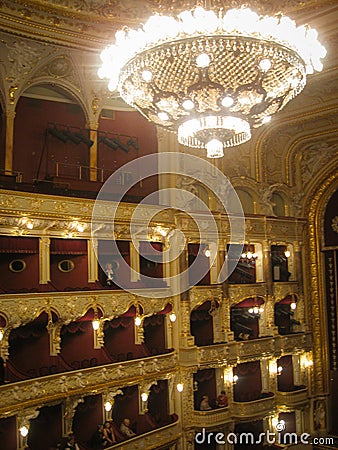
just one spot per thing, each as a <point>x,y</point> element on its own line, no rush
<point>320,192</point>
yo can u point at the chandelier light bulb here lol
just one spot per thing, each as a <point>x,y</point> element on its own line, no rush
<point>96,324</point>
<point>147,75</point>
<point>265,64</point>
<point>227,102</point>
<point>279,369</point>
<point>256,60</point>
<point>256,310</point>
<point>250,310</point>
<point>188,104</point>
<point>214,149</point>
<point>163,116</point>
<point>261,309</point>
<point>203,60</point>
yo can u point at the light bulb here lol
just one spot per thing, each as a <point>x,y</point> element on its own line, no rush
<point>96,324</point>
<point>266,119</point>
<point>203,60</point>
<point>287,254</point>
<point>24,431</point>
<point>243,255</point>
<point>207,253</point>
<point>214,149</point>
<point>255,255</point>
<point>147,75</point>
<point>265,64</point>
<point>227,102</point>
<point>138,321</point>
<point>250,310</point>
<point>172,317</point>
<point>163,116</point>
<point>1,335</point>
<point>256,310</point>
<point>80,228</point>
<point>279,369</point>
<point>235,378</point>
<point>293,305</point>
<point>179,387</point>
<point>261,309</point>
<point>144,396</point>
<point>29,225</point>
<point>249,255</point>
<point>108,406</point>
<point>188,104</point>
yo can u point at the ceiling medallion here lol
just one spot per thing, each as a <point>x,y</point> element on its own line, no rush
<point>212,77</point>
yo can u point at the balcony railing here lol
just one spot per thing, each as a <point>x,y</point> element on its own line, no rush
<point>260,407</point>
<point>152,440</point>
<point>34,392</point>
<point>293,398</point>
<point>212,418</point>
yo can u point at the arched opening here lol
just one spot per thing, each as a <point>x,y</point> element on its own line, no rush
<point>247,201</point>
<point>278,204</point>
<point>201,324</point>
<point>285,311</point>
<point>205,390</point>
<point>45,147</point>
<point>244,318</point>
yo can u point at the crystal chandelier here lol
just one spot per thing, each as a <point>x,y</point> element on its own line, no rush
<point>211,77</point>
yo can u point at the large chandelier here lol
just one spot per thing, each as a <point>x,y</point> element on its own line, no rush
<point>212,77</point>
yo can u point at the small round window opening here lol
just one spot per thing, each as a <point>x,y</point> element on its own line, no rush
<point>17,265</point>
<point>66,265</point>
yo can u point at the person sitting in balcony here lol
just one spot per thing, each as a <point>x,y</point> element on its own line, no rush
<point>222,400</point>
<point>71,443</point>
<point>108,435</point>
<point>204,405</point>
<point>125,429</point>
<point>110,274</point>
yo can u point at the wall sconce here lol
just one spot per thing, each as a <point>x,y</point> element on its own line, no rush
<point>138,321</point>
<point>144,396</point>
<point>249,255</point>
<point>108,406</point>
<point>179,387</point>
<point>207,252</point>
<point>293,305</point>
<point>234,379</point>
<point>172,317</point>
<point>256,310</point>
<point>1,334</point>
<point>96,324</point>
<point>279,370</point>
<point>24,431</point>
<point>287,254</point>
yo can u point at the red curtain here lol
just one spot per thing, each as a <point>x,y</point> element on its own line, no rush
<point>249,383</point>
<point>19,244</point>
<point>68,246</point>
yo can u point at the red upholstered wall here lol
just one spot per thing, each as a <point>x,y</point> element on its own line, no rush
<point>25,281</point>
<point>77,278</point>
<point>201,325</point>
<point>8,433</point>
<point>127,405</point>
<point>154,333</point>
<point>87,416</point>
<point>158,406</point>
<point>32,117</point>
<point>249,383</point>
<point>119,340</point>
<point>202,262</point>
<point>129,123</point>
<point>77,346</point>
<point>46,430</point>
<point>285,379</point>
<point>29,351</point>
<point>206,384</point>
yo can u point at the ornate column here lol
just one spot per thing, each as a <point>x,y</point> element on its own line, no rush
<point>296,370</point>
<point>214,264</point>
<point>54,332</point>
<point>264,363</point>
<point>187,339</point>
<point>134,260</point>
<point>69,406</point>
<point>23,424</point>
<point>10,116</point>
<point>267,267</point>
<point>93,275</point>
<point>44,259</point>
<point>298,266</point>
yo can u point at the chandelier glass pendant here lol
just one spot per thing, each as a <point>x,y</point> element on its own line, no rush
<point>212,77</point>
